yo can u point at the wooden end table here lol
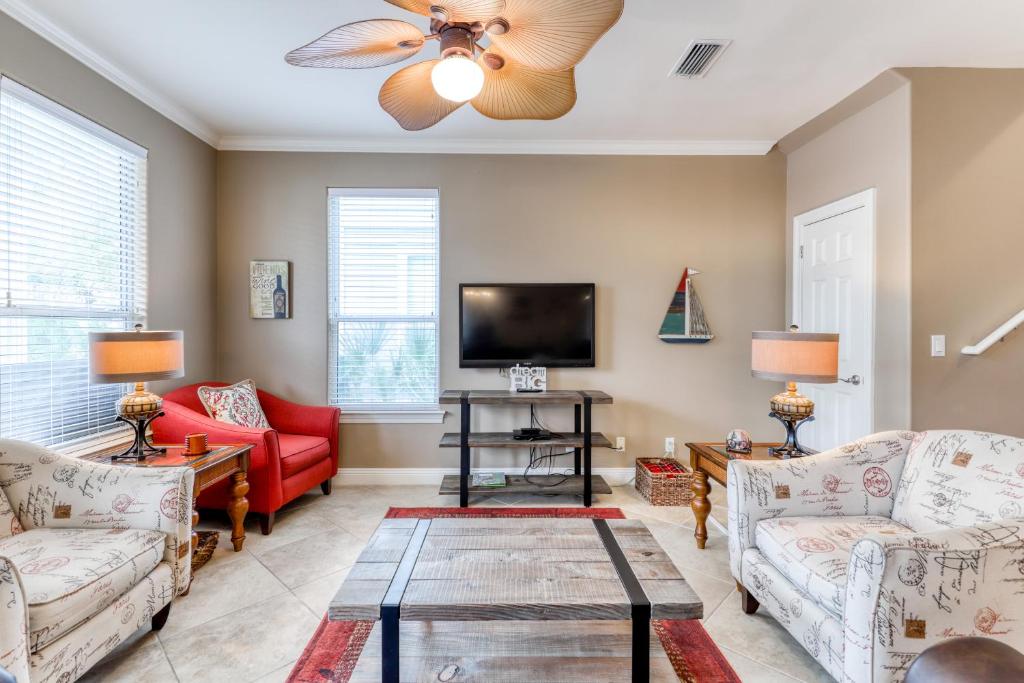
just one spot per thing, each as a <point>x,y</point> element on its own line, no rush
<point>218,464</point>
<point>711,460</point>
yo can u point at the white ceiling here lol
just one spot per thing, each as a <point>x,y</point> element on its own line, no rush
<point>217,67</point>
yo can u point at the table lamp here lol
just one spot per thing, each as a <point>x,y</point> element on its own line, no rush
<point>793,357</point>
<point>119,357</point>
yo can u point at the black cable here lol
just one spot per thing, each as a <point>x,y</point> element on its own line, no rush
<point>536,460</point>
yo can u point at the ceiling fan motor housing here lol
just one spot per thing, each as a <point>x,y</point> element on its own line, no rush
<point>457,39</point>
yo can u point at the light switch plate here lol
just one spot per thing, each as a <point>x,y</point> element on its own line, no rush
<point>938,345</point>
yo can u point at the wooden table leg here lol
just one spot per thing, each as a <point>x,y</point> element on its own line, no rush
<point>701,506</point>
<point>237,508</point>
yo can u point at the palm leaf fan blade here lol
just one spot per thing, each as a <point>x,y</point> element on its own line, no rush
<point>410,98</point>
<point>465,11</point>
<point>513,91</point>
<point>553,35</point>
<point>360,45</point>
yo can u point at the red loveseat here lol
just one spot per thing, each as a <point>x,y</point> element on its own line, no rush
<point>299,451</point>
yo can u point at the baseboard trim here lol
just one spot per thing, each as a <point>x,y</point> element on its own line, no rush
<point>431,476</point>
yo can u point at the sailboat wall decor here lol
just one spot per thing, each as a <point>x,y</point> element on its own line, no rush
<point>685,322</point>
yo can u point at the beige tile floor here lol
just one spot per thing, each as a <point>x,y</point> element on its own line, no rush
<point>249,614</point>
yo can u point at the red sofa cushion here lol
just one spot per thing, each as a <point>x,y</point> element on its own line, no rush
<point>299,452</point>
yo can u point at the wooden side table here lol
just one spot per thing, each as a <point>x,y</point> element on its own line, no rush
<point>215,466</point>
<point>711,460</point>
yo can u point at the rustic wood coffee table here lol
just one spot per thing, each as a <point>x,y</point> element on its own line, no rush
<point>511,570</point>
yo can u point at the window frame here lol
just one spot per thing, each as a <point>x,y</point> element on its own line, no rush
<point>381,413</point>
<point>134,298</point>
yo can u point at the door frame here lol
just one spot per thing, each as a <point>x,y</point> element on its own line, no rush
<point>864,199</point>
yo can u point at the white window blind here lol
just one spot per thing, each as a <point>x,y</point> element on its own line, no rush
<point>383,299</point>
<point>72,261</point>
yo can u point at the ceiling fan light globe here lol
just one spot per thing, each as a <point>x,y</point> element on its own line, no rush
<point>457,78</point>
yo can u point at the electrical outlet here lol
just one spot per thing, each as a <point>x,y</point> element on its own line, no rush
<point>670,445</point>
<point>620,443</point>
<point>938,345</point>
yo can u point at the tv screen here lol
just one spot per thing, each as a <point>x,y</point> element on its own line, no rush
<point>549,325</point>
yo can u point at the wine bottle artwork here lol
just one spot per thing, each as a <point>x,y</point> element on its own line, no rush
<point>280,300</point>
<point>269,290</point>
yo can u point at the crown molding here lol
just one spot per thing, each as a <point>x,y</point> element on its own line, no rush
<point>560,147</point>
<point>20,11</point>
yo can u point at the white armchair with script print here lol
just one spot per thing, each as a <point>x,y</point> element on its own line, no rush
<point>870,553</point>
<point>89,554</point>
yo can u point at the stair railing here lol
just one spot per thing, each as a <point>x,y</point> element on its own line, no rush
<point>1000,332</point>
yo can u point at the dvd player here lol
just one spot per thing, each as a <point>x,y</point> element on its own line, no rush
<point>531,434</point>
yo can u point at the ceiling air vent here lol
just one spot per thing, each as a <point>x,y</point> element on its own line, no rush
<point>699,57</point>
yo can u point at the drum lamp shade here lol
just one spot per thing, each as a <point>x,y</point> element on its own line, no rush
<point>140,356</point>
<point>795,357</point>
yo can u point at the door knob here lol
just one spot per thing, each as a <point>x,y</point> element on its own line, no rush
<point>852,379</point>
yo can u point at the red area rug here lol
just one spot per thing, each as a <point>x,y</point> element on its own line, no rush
<point>331,654</point>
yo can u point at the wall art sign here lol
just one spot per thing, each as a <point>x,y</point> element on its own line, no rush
<point>270,289</point>
<point>527,378</point>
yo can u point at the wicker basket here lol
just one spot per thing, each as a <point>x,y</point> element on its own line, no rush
<point>672,487</point>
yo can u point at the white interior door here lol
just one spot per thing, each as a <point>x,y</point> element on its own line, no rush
<point>834,291</point>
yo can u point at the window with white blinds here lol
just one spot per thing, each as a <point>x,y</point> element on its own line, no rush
<point>383,299</point>
<point>72,261</point>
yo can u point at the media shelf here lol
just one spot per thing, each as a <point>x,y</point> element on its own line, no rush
<point>548,484</point>
<point>582,440</point>
<point>506,440</point>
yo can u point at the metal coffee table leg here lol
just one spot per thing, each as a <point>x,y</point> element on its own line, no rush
<point>391,606</point>
<point>389,617</point>
<point>640,605</point>
<point>641,642</point>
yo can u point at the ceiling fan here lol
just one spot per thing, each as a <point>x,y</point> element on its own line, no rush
<point>524,72</point>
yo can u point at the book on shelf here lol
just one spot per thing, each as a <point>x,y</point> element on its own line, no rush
<point>491,480</point>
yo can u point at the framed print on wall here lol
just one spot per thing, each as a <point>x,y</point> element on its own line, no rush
<point>270,289</point>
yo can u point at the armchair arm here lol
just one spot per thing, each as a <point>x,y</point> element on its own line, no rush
<point>295,418</point>
<point>14,651</point>
<point>905,593</point>
<point>47,489</point>
<point>856,479</point>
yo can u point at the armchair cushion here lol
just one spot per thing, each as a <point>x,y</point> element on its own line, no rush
<point>813,552</point>
<point>237,404</point>
<point>960,478</point>
<point>857,479</point>
<point>299,452</point>
<point>71,574</point>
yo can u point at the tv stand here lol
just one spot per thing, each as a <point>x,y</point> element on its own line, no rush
<point>582,441</point>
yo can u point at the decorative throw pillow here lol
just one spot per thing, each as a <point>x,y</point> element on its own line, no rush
<point>237,404</point>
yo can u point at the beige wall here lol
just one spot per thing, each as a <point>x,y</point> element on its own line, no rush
<point>968,203</point>
<point>862,143</point>
<point>182,176</point>
<point>629,224</point>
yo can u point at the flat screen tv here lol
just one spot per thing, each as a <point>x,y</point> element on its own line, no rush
<point>550,325</point>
